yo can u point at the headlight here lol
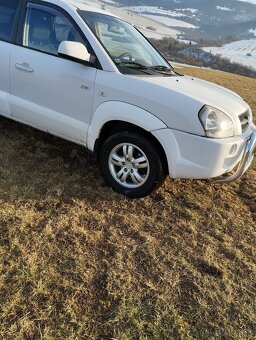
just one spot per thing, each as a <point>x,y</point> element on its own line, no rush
<point>216,123</point>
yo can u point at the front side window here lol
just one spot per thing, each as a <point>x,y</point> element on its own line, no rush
<point>126,46</point>
<point>8,9</point>
<point>45,28</point>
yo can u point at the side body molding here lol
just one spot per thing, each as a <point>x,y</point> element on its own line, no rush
<point>114,110</point>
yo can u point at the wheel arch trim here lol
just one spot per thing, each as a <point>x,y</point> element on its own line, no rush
<point>121,111</point>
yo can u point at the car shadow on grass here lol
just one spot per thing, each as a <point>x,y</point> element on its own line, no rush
<point>36,165</point>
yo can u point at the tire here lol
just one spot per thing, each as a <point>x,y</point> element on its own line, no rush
<point>131,164</point>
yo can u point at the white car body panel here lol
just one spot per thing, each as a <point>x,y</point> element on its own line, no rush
<point>196,157</point>
<point>51,98</point>
<point>165,103</point>
<point>120,111</point>
<point>5,79</point>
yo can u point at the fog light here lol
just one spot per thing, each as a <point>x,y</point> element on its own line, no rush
<point>233,150</point>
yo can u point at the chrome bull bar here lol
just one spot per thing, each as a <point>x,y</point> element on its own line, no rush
<point>244,164</point>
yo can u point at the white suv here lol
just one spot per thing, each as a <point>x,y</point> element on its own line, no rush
<point>87,76</point>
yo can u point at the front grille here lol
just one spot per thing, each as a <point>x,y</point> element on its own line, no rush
<point>244,119</point>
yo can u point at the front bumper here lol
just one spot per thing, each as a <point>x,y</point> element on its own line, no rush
<point>197,157</point>
<point>244,164</point>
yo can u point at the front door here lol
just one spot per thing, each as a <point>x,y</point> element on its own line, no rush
<point>49,92</point>
<point>8,10</point>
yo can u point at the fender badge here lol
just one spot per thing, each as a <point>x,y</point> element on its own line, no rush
<point>83,87</point>
<point>103,94</point>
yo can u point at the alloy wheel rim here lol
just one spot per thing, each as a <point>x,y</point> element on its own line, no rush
<point>129,165</point>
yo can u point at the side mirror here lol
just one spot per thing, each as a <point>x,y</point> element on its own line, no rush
<point>75,51</point>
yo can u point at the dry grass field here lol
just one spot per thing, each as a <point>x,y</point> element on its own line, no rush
<point>78,261</point>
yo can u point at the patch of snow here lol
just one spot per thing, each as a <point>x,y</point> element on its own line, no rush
<point>169,21</point>
<point>180,65</point>
<point>241,17</point>
<point>242,52</point>
<point>150,28</point>
<point>249,1</point>
<point>224,9</point>
<point>253,31</point>
<point>95,3</point>
<point>110,2</point>
<point>157,35</point>
<point>153,10</point>
<point>187,41</point>
<point>192,10</point>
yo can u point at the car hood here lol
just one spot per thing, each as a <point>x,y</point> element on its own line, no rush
<point>205,92</point>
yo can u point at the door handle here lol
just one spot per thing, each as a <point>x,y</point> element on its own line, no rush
<point>24,67</point>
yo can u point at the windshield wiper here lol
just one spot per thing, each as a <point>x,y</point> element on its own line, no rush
<point>153,68</point>
<point>165,69</point>
<point>161,68</point>
<point>133,63</point>
<point>157,68</point>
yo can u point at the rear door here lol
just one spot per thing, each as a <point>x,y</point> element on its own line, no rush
<point>49,92</point>
<point>8,12</point>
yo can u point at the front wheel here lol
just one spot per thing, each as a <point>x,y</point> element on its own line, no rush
<point>130,164</point>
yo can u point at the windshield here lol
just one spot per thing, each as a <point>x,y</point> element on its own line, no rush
<point>126,46</point>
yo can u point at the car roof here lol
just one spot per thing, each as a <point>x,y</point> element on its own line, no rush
<point>79,4</point>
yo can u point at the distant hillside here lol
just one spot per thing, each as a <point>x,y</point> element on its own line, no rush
<point>216,19</point>
<point>237,61</point>
<point>243,51</point>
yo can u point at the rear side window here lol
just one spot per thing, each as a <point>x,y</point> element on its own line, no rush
<point>8,9</point>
